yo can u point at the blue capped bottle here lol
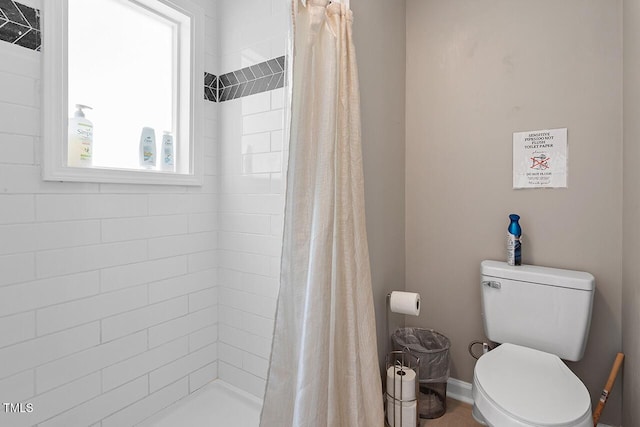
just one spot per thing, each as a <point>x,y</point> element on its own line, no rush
<point>514,244</point>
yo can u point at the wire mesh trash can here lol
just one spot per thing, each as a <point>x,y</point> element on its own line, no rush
<point>432,348</point>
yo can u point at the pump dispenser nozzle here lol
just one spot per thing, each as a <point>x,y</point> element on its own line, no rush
<point>79,108</point>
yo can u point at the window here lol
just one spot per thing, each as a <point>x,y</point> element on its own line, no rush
<point>120,78</point>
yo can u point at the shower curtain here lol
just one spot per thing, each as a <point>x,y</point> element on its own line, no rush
<point>324,368</point>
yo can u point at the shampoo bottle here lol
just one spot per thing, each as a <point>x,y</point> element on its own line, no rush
<point>514,234</point>
<point>167,152</point>
<point>80,142</point>
<point>148,148</point>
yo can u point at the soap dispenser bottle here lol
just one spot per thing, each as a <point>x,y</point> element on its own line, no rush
<point>514,242</point>
<point>148,148</point>
<point>167,152</point>
<point>80,139</point>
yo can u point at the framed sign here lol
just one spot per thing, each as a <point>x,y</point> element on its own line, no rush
<point>540,159</point>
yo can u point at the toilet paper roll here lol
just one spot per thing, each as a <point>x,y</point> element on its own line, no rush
<point>405,303</point>
<point>404,415</point>
<point>401,383</point>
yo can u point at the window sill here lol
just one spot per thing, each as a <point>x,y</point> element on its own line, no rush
<point>121,176</point>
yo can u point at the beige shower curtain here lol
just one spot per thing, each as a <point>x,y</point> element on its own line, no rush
<point>324,365</point>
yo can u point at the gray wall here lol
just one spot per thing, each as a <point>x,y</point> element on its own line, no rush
<point>631,217</point>
<point>379,35</point>
<point>476,73</point>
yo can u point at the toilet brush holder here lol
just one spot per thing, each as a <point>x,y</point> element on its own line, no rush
<point>401,389</point>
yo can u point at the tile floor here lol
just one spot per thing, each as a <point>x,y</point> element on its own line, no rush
<point>458,415</point>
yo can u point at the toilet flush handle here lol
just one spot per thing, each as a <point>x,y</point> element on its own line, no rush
<point>492,284</point>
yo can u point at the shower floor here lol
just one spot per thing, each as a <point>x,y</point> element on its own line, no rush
<point>217,404</point>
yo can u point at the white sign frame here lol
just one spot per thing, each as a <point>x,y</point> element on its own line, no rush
<point>540,159</point>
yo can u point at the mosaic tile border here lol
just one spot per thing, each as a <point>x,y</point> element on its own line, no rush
<point>20,25</point>
<point>210,87</point>
<point>262,77</point>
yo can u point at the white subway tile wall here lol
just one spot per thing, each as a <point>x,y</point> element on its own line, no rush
<point>118,300</point>
<point>108,293</point>
<point>252,161</point>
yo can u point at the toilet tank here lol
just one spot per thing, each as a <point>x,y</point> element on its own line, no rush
<point>548,309</point>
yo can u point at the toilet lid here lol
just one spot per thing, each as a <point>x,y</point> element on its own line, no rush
<point>532,386</point>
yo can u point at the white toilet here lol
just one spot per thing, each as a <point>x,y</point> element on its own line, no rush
<point>540,315</point>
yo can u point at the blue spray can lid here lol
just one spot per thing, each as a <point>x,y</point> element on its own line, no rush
<point>514,226</point>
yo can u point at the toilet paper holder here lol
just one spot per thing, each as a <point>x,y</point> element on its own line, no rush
<point>415,309</point>
<point>401,389</point>
<point>401,409</point>
<point>402,302</point>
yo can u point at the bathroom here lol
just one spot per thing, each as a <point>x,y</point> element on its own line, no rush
<point>443,86</point>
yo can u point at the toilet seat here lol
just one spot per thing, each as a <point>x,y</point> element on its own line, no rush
<point>519,386</point>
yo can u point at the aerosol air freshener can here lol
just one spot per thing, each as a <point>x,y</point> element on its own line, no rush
<point>514,233</point>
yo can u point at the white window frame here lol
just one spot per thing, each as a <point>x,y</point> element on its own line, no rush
<point>55,102</point>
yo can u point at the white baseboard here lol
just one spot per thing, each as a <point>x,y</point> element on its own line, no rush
<point>461,390</point>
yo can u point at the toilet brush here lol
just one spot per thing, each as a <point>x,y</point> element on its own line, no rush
<point>607,388</point>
